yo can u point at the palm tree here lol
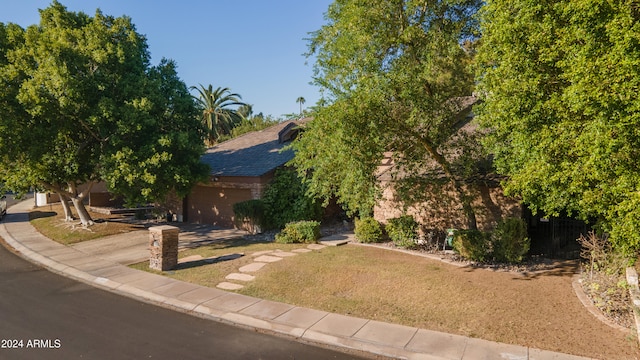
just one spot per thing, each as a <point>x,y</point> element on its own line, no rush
<point>216,115</point>
<point>246,111</point>
<point>301,101</point>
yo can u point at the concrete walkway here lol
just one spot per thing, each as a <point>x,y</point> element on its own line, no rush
<point>104,269</point>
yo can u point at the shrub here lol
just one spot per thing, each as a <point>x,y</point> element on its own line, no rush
<point>604,280</point>
<point>299,232</point>
<point>403,231</point>
<point>286,200</point>
<point>471,244</point>
<point>368,230</point>
<point>509,241</point>
<point>249,215</point>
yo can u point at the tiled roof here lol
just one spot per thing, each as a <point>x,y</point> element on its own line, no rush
<point>252,154</point>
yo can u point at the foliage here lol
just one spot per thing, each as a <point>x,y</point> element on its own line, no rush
<point>285,200</point>
<point>509,241</point>
<point>604,281</point>
<point>559,81</point>
<point>249,215</point>
<point>403,231</point>
<point>217,117</point>
<point>79,102</point>
<point>472,244</point>
<point>247,125</point>
<point>395,78</point>
<point>368,230</point>
<point>299,232</point>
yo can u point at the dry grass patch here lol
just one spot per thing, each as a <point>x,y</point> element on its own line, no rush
<point>49,221</point>
<point>536,310</point>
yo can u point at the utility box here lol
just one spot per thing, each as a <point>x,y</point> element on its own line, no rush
<point>163,245</point>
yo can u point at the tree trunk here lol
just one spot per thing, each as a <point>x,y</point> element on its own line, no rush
<point>77,200</point>
<point>64,200</point>
<point>85,218</point>
<point>466,199</point>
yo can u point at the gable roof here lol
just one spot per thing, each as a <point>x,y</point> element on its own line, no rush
<point>255,153</point>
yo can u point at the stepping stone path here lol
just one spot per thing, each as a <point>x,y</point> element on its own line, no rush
<point>260,259</point>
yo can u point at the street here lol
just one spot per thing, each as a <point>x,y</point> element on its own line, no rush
<point>47,316</point>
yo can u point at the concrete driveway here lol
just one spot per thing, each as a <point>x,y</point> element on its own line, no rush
<point>133,247</point>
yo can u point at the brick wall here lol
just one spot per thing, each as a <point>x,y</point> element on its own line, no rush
<point>442,208</point>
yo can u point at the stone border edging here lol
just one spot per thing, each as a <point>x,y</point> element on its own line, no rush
<point>634,293</point>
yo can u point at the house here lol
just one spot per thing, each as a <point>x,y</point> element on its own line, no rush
<point>439,206</point>
<point>241,168</point>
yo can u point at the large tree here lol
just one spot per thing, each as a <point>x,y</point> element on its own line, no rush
<point>560,83</point>
<point>218,113</point>
<point>80,103</point>
<point>395,75</point>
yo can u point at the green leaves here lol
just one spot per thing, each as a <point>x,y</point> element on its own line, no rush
<point>395,73</point>
<point>217,117</point>
<point>79,102</point>
<point>560,81</point>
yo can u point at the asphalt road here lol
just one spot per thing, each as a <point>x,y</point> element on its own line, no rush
<point>47,316</point>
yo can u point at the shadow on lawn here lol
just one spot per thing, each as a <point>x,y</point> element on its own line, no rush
<point>223,242</point>
<point>37,214</point>
<point>207,261</point>
<point>559,268</point>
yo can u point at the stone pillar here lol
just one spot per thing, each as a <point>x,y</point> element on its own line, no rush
<point>163,244</point>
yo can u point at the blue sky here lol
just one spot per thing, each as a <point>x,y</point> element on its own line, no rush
<point>253,47</point>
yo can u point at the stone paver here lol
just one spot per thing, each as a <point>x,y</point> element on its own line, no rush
<point>302,251</point>
<point>253,267</point>
<point>260,253</point>
<point>334,242</point>
<point>283,253</point>
<point>267,259</point>
<point>229,286</point>
<point>240,277</point>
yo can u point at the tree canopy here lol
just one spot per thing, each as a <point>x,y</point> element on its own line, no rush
<point>80,103</point>
<point>560,84</point>
<point>395,77</point>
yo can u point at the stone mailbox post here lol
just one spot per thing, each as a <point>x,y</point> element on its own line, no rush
<point>163,244</point>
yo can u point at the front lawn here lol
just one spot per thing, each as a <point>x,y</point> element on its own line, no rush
<point>49,221</point>
<point>539,310</point>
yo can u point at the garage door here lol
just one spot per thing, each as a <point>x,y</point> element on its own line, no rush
<point>212,205</point>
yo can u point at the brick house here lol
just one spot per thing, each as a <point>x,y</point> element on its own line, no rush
<point>241,168</point>
<point>440,207</point>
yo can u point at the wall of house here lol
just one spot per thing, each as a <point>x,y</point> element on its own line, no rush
<point>212,203</point>
<point>441,208</point>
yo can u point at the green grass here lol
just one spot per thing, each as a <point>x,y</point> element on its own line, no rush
<point>207,274</point>
<point>49,221</point>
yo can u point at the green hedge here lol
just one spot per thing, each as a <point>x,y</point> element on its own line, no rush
<point>472,244</point>
<point>249,215</point>
<point>368,230</point>
<point>509,241</point>
<point>299,232</point>
<point>403,231</point>
<point>286,200</point>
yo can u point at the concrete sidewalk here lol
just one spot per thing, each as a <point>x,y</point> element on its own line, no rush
<point>390,340</point>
